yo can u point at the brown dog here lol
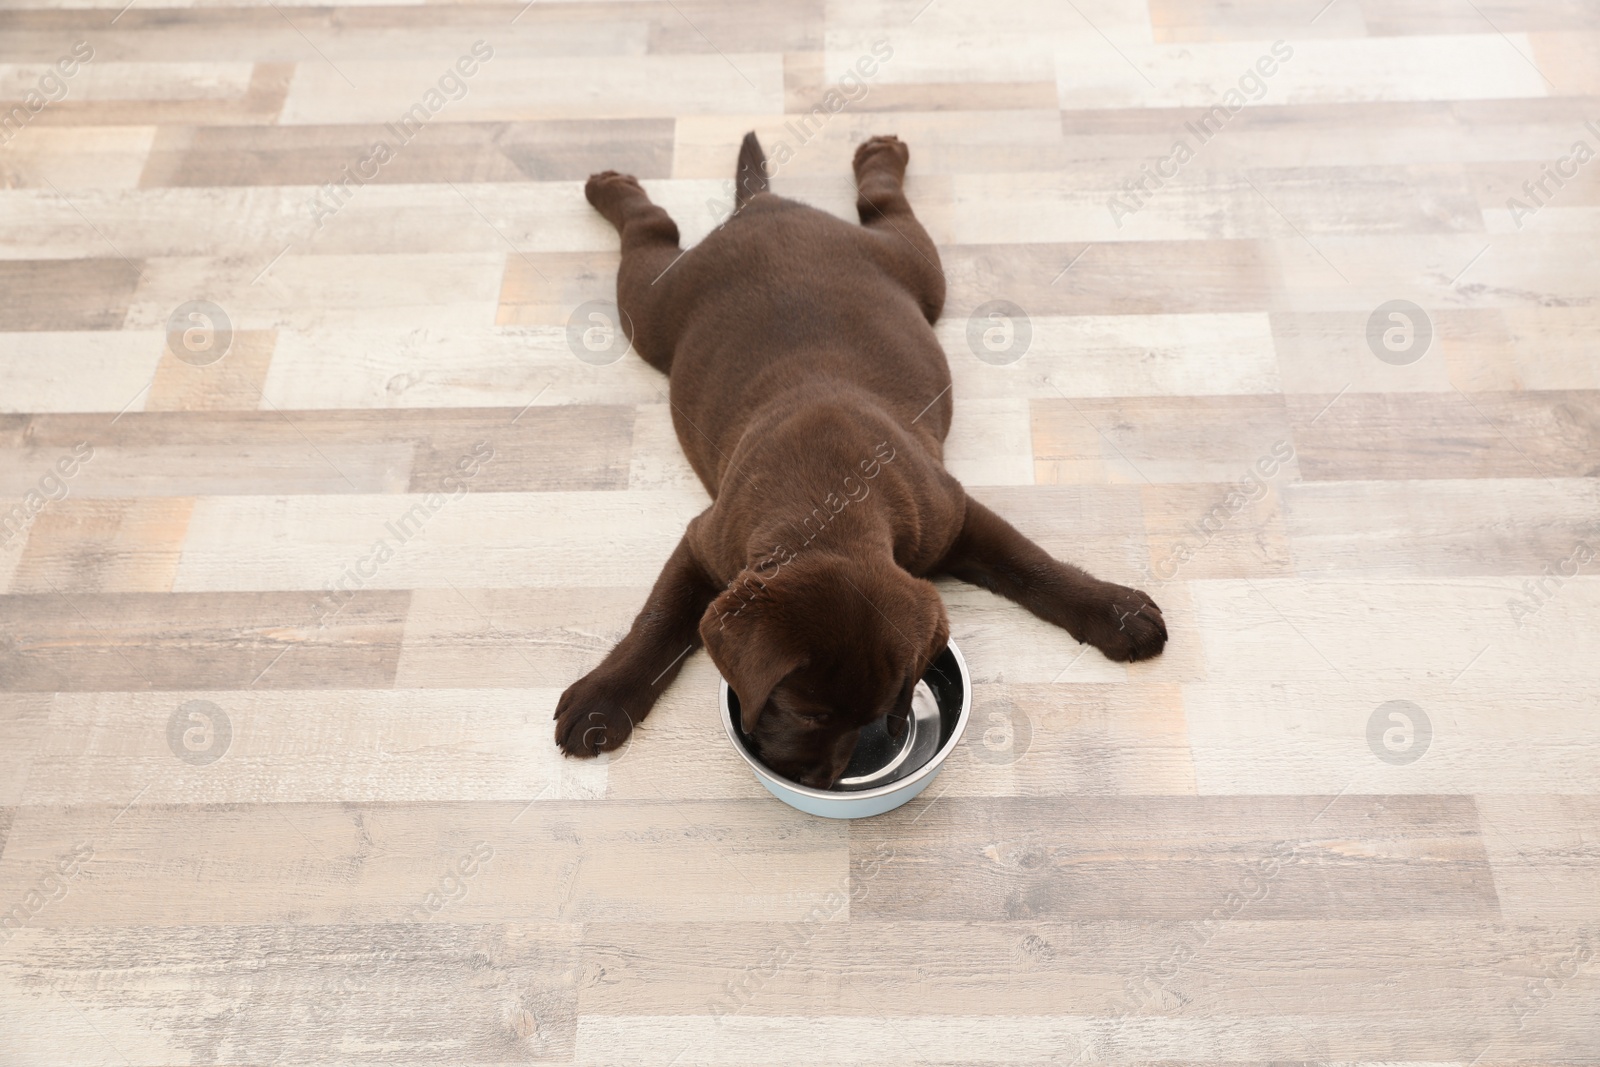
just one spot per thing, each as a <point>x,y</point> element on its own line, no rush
<point>812,398</point>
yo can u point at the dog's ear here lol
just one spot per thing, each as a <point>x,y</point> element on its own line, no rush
<point>749,645</point>
<point>925,624</point>
<point>929,626</point>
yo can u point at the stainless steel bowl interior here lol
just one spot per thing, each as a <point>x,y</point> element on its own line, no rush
<point>881,763</point>
<point>881,758</point>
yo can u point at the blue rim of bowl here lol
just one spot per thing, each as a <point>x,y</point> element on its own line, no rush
<point>927,770</point>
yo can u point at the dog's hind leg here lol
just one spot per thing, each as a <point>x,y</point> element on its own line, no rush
<point>905,249</point>
<point>990,553</point>
<point>598,712</point>
<point>649,249</point>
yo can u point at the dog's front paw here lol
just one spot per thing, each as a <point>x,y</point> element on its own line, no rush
<point>1128,625</point>
<point>591,719</point>
<point>886,151</point>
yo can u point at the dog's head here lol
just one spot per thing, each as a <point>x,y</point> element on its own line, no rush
<point>818,647</point>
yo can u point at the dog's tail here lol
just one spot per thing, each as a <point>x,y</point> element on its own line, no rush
<point>752,176</point>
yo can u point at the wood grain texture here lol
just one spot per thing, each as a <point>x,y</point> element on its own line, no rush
<point>1028,858</point>
<point>67,294</point>
<point>69,642</point>
<point>281,634</point>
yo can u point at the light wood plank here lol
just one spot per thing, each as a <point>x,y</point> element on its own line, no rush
<point>433,539</point>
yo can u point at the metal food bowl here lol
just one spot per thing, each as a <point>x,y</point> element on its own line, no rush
<point>884,772</point>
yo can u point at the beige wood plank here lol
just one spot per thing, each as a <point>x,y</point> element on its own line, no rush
<point>544,87</point>
<point>1371,634</point>
<point>67,294</point>
<point>1506,727</point>
<point>288,451</point>
<point>551,150</point>
<point>270,464</point>
<point>206,93</point>
<point>1251,20</point>
<point>187,32</point>
<point>451,366</point>
<point>1507,14</point>
<point>1175,858</point>
<point>1227,530</point>
<point>1569,56</point>
<point>1437,271</point>
<point>1153,440</point>
<point>507,637</point>
<point>1107,970</point>
<point>99,370</point>
<point>988,1041</point>
<point>1118,278</point>
<point>23,719</point>
<point>102,80</point>
<point>1380,133</point>
<point>445,745</point>
<point>1469,66</point>
<point>257,223</point>
<point>321,864</point>
<point>97,546</point>
<point>1017,41</point>
<point>433,539</point>
<point>92,641</point>
<point>1543,852</point>
<point>989,443</point>
<point>315,291</point>
<point>1470,350</point>
<point>235,380</point>
<point>1531,526</point>
<point>92,157</point>
<point>1406,435</point>
<point>996,353</point>
<point>284,992</point>
<point>657,460</point>
<point>546,288</point>
<point>1208,203</point>
<point>1551,346</point>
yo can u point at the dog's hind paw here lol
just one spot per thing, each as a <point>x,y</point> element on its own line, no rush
<point>886,151</point>
<point>608,191</point>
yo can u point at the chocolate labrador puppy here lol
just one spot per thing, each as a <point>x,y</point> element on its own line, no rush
<point>811,395</point>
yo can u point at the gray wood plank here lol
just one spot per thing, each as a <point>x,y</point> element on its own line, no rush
<point>968,858</point>
<point>130,641</point>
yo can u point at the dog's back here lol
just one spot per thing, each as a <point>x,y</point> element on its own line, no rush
<point>785,305</point>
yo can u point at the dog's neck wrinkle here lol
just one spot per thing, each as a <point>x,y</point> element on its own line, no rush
<point>855,531</point>
<point>822,481</point>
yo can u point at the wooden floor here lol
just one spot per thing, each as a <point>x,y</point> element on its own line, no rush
<point>288,590</point>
